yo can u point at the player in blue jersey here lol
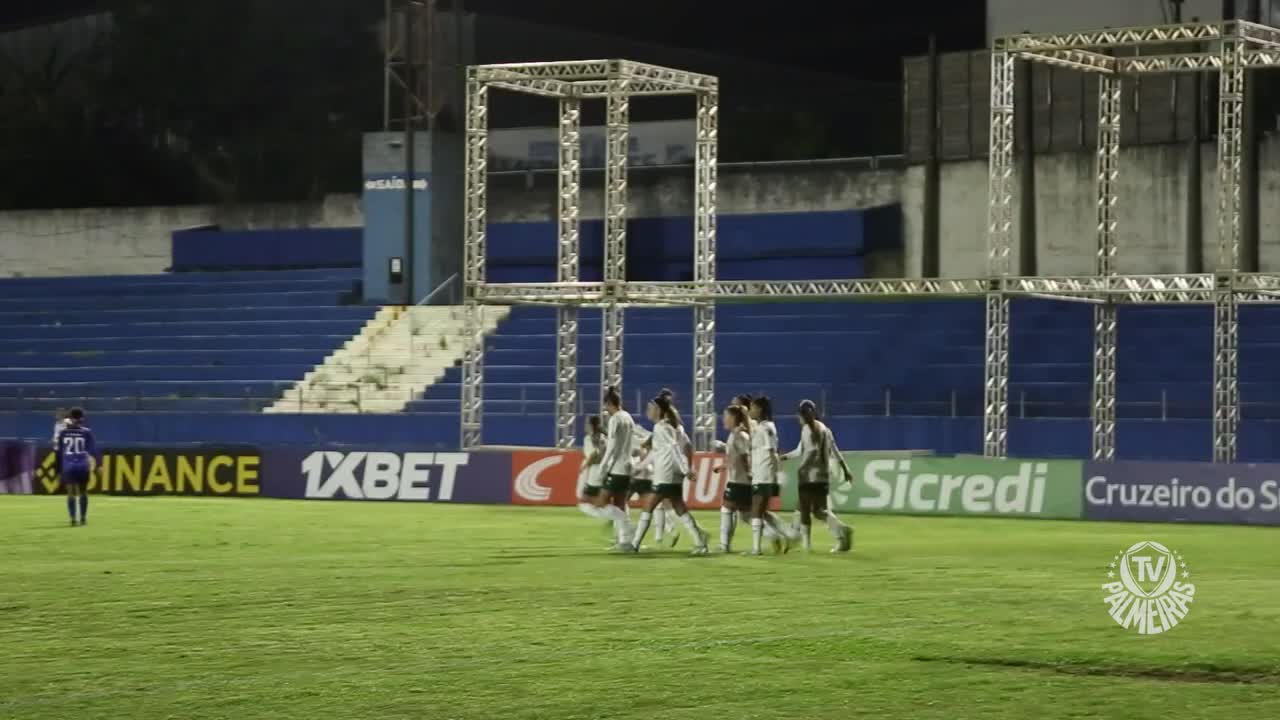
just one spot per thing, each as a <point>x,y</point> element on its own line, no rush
<point>75,456</point>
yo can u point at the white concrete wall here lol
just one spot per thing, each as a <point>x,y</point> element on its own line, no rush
<point>762,188</point>
<point>123,241</point>
<point>1005,17</point>
<point>1151,212</point>
<point>1151,187</point>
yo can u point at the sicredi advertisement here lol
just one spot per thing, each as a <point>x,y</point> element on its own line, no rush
<point>960,486</point>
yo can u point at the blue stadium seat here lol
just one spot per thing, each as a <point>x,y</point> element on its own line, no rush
<point>191,343</point>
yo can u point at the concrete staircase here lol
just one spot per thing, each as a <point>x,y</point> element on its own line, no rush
<point>396,356</point>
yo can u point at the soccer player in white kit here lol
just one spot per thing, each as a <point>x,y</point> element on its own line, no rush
<point>764,474</point>
<point>615,466</point>
<point>670,458</point>
<point>664,521</point>
<point>817,450</point>
<point>774,528</point>
<point>737,488</point>
<point>590,482</point>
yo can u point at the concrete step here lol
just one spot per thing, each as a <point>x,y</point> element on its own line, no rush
<point>396,356</point>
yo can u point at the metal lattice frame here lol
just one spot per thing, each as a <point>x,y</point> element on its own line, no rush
<point>617,136</point>
<point>706,161</point>
<point>475,220</point>
<point>1103,405</point>
<point>1241,45</point>
<point>616,82</point>
<point>568,268</point>
<point>995,389</point>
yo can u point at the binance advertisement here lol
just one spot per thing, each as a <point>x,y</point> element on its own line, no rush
<point>203,471</point>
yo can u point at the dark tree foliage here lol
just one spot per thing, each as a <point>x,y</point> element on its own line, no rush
<point>195,101</point>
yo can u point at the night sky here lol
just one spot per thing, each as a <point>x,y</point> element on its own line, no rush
<point>859,38</point>
<point>856,38</point>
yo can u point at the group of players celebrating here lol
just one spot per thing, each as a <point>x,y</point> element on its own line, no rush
<point>622,459</point>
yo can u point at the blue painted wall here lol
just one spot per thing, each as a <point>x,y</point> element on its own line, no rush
<point>383,204</point>
<point>787,246</point>
<point>214,249</point>
<point>1136,439</point>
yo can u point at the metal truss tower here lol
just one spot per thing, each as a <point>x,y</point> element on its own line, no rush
<point>615,82</point>
<point>1236,46</point>
<point>1114,55</point>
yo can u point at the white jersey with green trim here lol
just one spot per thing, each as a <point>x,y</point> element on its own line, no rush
<point>617,446</point>
<point>641,467</point>
<point>764,453</point>
<point>670,466</point>
<point>591,474</point>
<point>817,452</point>
<point>737,460</point>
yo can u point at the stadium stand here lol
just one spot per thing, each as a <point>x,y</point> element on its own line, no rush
<point>893,371</point>
<point>225,342</point>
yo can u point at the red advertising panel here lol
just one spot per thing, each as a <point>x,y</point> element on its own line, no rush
<point>545,477</point>
<point>551,478</point>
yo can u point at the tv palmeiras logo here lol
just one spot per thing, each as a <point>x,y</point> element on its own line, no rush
<point>1148,588</point>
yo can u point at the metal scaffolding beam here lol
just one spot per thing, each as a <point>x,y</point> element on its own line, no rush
<point>1238,46</point>
<point>1124,289</point>
<point>706,160</point>
<point>475,225</point>
<point>617,138</point>
<point>995,406</point>
<point>1103,406</point>
<point>615,81</point>
<point>568,269</point>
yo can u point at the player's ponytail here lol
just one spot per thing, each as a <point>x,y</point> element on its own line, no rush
<point>663,403</point>
<point>671,413</point>
<point>808,413</point>
<point>739,415</point>
<point>612,397</point>
<point>764,406</point>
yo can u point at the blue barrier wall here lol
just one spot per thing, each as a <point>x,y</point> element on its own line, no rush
<point>214,249</point>
<point>815,245</point>
<point>1136,439</point>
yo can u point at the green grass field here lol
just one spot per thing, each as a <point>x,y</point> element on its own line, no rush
<point>199,609</point>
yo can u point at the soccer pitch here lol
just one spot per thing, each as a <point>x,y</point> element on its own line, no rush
<point>201,609</point>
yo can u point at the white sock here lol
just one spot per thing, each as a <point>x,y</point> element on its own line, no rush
<point>834,525</point>
<point>804,537</point>
<point>641,528</point>
<point>592,511</point>
<point>757,532</point>
<point>774,527</point>
<point>693,528</point>
<point>621,523</point>
<point>659,522</point>
<point>728,519</point>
